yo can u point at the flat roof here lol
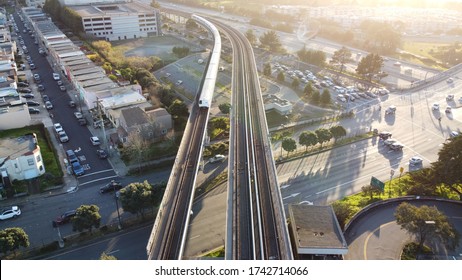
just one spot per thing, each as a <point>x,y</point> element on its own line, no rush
<point>100,81</point>
<point>316,230</point>
<point>108,9</point>
<point>16,147</point>
<point>91,76</point>
<point>84,69</point>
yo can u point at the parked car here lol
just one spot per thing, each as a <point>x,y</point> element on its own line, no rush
<point>63,136</point>
<point>95,141</point>
<point>56,77</point>
<point>64,218</point>
<point>24,90</point>
<point>102,154</point>
<point>58,127</point>
<point>41,87</point>
<point>78,115</point>
<point>82,121</point>
<point>28,95</point>
<point>32,103</point>
<point>22,84</point>
<point>62,88</point>
<point>34,111</point>
<point>45,98</point>
<point>110,187</point>
<point>71,156</point>
<point>77,169</point>
<point>48,105</point>
<point>453,134</point>
<point>11,212</point>
<point>217,158</point>
<point>60,83</point>
<point>415,160</point>
<point>448,109</point>
<point>72,104</point>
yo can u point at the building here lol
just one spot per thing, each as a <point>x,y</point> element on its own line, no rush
<point>118,20</point>
<point>20,158</point>
<point>315,232</point>
<point>272,102</point>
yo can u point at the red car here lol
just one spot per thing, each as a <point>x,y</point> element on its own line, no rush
<point>64,218</point>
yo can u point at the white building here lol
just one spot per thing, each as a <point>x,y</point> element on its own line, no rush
<point>119,21</point>
<point>20,157</point>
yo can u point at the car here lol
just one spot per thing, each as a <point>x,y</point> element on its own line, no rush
<point>58,127</point>
<point>102,154</point>
<point>77,169</point>
<point>62,88</point>
<point>72,104</point>
<point>45,98</point>
<point>28,95</point>
<point>71,156</point>
<point>82,121</point>
<point>48,105</point>
<point>32,66</point>
<point>389,141</point>
<point>450,97</point>
<point>78,115</point>
<point>453,134</point>
<point>396,146</point>
<point>384,135</point>
<point>63,136</point>
<point>460,99</point>
<point>450,80</point>
<point>65,218</point>
<point>95,141</point>
<point>41,87</point>
<point>397,63</point>
<point>217,158</point>
<point>167,75</point>
<point>179,82</point>
<point>9,213</point>
<point>435,106</point>
<point>22,84</point>
<point>36,76</point>
<point>24,90</point>
<point>111,187</point>
<point>448,109</point>
<point>415,160</point>
<point>60,83</point>
<point>34,111</point>
<point>32,103</point>
<point>390,110</point>
<point>56,77</point>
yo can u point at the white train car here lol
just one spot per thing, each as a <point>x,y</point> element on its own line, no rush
<point>208,86</point>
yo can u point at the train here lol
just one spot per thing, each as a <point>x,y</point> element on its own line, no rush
<point>208,87</point>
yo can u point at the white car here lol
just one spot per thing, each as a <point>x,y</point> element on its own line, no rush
<point>63,136</point>
<point>9,213</point>
<point>217,158</point>
<point>453,134</point>
<point>449,81</point>
<point>415,160</point>
<point>95,141</point>
<point>58,127</point>
<point>56,77</point>
<point>78,115</point>
<point>450,97</point>
<point>435,106</point>
<point>390,141</point>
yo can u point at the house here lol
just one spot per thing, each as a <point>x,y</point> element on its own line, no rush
<point>153,125</point>
<point>21,158</point>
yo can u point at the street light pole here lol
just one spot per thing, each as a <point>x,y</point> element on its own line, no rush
<point>60,238</point>
<point>392,172</point>
<point>119,226</point>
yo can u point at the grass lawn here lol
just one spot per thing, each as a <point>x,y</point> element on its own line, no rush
<point>423,53</point>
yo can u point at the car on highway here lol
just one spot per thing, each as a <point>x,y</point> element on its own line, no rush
<point>66,217</point>
<point>396,146</point>
<point>77,169</point>
<point>450,80</point>
<point>217,158</point>
<point>95,141</point>
<point>102,154</point>
<point>435,106</point>
<point>390,110</point>
<point>11,212</point>
<point>449,97</point>
<point>389,141</point>
<point>110,187</point>
<point>397,63</point>
<point>34,111</point>
<point>415,160</point>
<point>384,135</point>
<point>71,156</point>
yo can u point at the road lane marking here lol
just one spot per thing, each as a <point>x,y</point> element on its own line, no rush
<point>96,180</point>
<point>369,236</point>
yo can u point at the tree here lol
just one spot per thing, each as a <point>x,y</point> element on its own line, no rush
<point>251,36</point>
<point>136,197</point>
<point>324,135</point>
<point>191,24</point>
<point>220,123</point>
<point>267,69</point>
<point>86,217</point>
<point>13,238</point>
<point>295,83</point>
<point>370,190</point>
<point>289,145</point>
<point>341,57</point>
<point>308,138</point>
<point>225,108</point>
<point>314,57</point>
<point>105,257</point>
<point>421,182</point>
<point>155,4</point>
<point>426,223</point>
<point>270,40</point>
<point>180,51</point>
<point>315,97</point>
<point>281,76</point>
<point>380,36</point>
<point>338,131</point>
<point>325,97</point>
<point>309,89</point>
<point>449,165</point>
<point>370,66</point>
<point>178,109</point>
<point>136,148</point>
<point>343,212</point>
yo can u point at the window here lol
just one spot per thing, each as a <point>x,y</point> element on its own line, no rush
<point>38,158</point>
<point>41,167</point>
<point>30,161</point>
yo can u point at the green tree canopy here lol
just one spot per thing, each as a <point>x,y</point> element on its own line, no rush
<point>106,257</point>
<point>289,144</point>
<point>267,69</point>
<point>380,36</point>
<point>324,135</point>
<point>308,138</point>
<point>421,182</point>
<point>270,40</point>
<point>314,57</point>
<point>225,108</point>
<point>426,223</point>
<point>86,217</point>
<point>316,97</point>
<point>341,57</point>
<point>295,83</point>
<point>251,36</point>
<point>370,65</point>
<point>309,89</point>
<point>281,76</point>
<point>338,131</point>
<point>178,109</point>
<point>343,211</point>
<point>136,197</point>
<point>13,238</point>
<point>220,123</point>
<point>191,24</point>
<point>325,97</point>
